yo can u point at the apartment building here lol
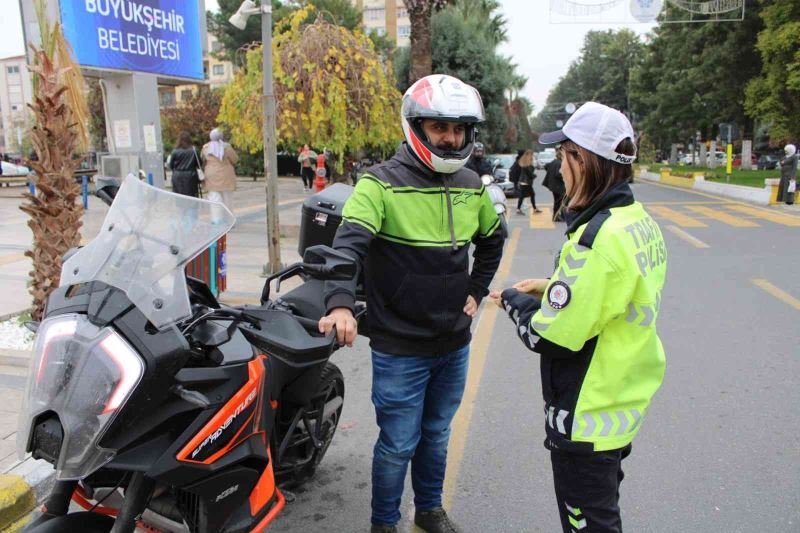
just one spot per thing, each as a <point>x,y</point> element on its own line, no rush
<point>217,72</point>
<point>16,91</point>
<point>387,17</point>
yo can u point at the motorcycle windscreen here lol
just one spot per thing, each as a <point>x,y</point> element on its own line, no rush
<point>83,374</point>
<point>146,240</point>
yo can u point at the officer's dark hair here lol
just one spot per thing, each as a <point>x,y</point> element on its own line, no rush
<point>594,175</point>
<point>184,140</point>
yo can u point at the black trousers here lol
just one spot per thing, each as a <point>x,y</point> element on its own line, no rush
<point>525,191</point>
<point>557,199</point>
<point>587,490</point>
<point>308,177</point>
<point>185,183</point>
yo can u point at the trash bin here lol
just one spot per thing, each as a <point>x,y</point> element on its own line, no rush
<point>321,216</point>
<point>210,266</point>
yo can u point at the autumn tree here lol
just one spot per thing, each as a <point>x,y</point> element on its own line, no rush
<point>332,91</point>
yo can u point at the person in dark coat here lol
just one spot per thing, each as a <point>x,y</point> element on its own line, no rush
<point>184,162</point>
<point>788,172</point>
<point>525,173</point>
<point>554,181</point>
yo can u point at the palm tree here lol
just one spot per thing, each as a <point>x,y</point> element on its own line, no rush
<point>59,132</point>
<point>419,13</point>
<point>483,14</point>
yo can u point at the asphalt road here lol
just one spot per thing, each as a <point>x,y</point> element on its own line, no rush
<point>718,451</point>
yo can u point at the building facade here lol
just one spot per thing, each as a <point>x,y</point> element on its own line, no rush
<point>16,92</point>
<point>218,73</point>
<point>386,17</point>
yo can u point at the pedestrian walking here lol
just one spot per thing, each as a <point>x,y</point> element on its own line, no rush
<point>421,294</point>
<point>594,321</point>
<point>526,173</point>
<point>788,174</point>
<point>554,181</point>
<point>184,164</point>
<point>307,160</point>
<point>219,159</point>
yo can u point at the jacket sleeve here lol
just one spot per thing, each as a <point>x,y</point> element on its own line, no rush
<point>513,173</point>
<point>232,155</point>
<point>488,243</point>
<point>586,292</point>
<point>362,219</point>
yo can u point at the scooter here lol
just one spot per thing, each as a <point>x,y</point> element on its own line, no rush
<point>162,408</point>
<point>498,198</point>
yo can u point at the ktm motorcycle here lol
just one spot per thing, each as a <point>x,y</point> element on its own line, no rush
<point>161,408</point>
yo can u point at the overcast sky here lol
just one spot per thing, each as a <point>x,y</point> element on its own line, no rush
<point>542,50</point>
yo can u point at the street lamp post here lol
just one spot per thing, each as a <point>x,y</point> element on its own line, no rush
<point>239,19</point>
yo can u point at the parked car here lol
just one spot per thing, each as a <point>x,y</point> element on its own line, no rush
<point>737,161</point>
<point>501,163</point>
<point>768,162</point>
<point>722,159</point>
<point>541,159</point>
<point>10,169</point>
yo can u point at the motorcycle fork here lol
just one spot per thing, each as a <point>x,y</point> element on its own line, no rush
<point>137,495</point>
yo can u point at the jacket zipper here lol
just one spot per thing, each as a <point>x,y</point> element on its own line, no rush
<point>450,216</point>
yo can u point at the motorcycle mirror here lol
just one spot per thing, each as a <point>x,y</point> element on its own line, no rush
<point>323,262</point>
<point>107,193</point>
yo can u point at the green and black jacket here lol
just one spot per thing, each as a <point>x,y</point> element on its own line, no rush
<point>410,229</point>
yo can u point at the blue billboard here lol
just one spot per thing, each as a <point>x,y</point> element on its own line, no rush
<point>156,36</point>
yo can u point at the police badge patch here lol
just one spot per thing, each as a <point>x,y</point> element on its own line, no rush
<point>558,295</point>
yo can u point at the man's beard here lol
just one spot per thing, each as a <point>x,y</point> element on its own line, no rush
<point>446,147</point>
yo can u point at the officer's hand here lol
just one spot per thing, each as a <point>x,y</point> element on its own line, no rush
<point>346,325</point>
<point>532,286</point>
<point>471,307</point>
<point>495,297</point>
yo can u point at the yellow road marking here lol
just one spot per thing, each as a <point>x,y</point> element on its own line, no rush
<point>677,217</point>
<point>723,216</point>
<point>728,201</point>
<point>777,293</point>
<point>543,220</point>
<point>480,348</point>
<point>778,218</point>
<point>8,259</point>
<point>694,241</point>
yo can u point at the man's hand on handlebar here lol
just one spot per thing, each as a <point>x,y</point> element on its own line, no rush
<point>346,325</point>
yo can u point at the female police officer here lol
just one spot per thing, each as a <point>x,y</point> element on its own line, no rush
<point>594,321</point>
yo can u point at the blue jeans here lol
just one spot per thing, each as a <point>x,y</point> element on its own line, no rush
<point>415,399</point>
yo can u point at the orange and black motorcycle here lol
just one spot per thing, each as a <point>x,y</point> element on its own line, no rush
<point>159,407</point>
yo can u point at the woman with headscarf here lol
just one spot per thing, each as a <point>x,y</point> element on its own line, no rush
<point>788,173</point>
<point>183,162</point>
<point>219,158</point>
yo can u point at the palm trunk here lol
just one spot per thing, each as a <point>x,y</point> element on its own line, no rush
<point>421,60</point>
<point>55,213</point>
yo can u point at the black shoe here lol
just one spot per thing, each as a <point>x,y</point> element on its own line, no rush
<point>383,529</point>
<point>435,521</point>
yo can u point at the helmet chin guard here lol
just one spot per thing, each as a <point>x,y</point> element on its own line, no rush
<point>444,98</point>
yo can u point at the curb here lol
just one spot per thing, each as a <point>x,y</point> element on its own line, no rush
<point>18,358</point>
<point>22,488</point>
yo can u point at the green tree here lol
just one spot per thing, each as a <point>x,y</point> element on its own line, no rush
<point>332,90</point>
<point>693,77</point>
<point>601,73</point>
<point>773,96</point>
<point>97,116</point>
<point>484,17</point>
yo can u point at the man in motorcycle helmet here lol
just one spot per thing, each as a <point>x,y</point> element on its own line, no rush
<point>409,224</point>
<point>478,163</point>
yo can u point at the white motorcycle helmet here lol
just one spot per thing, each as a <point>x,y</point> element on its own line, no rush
<point>441,97</point>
